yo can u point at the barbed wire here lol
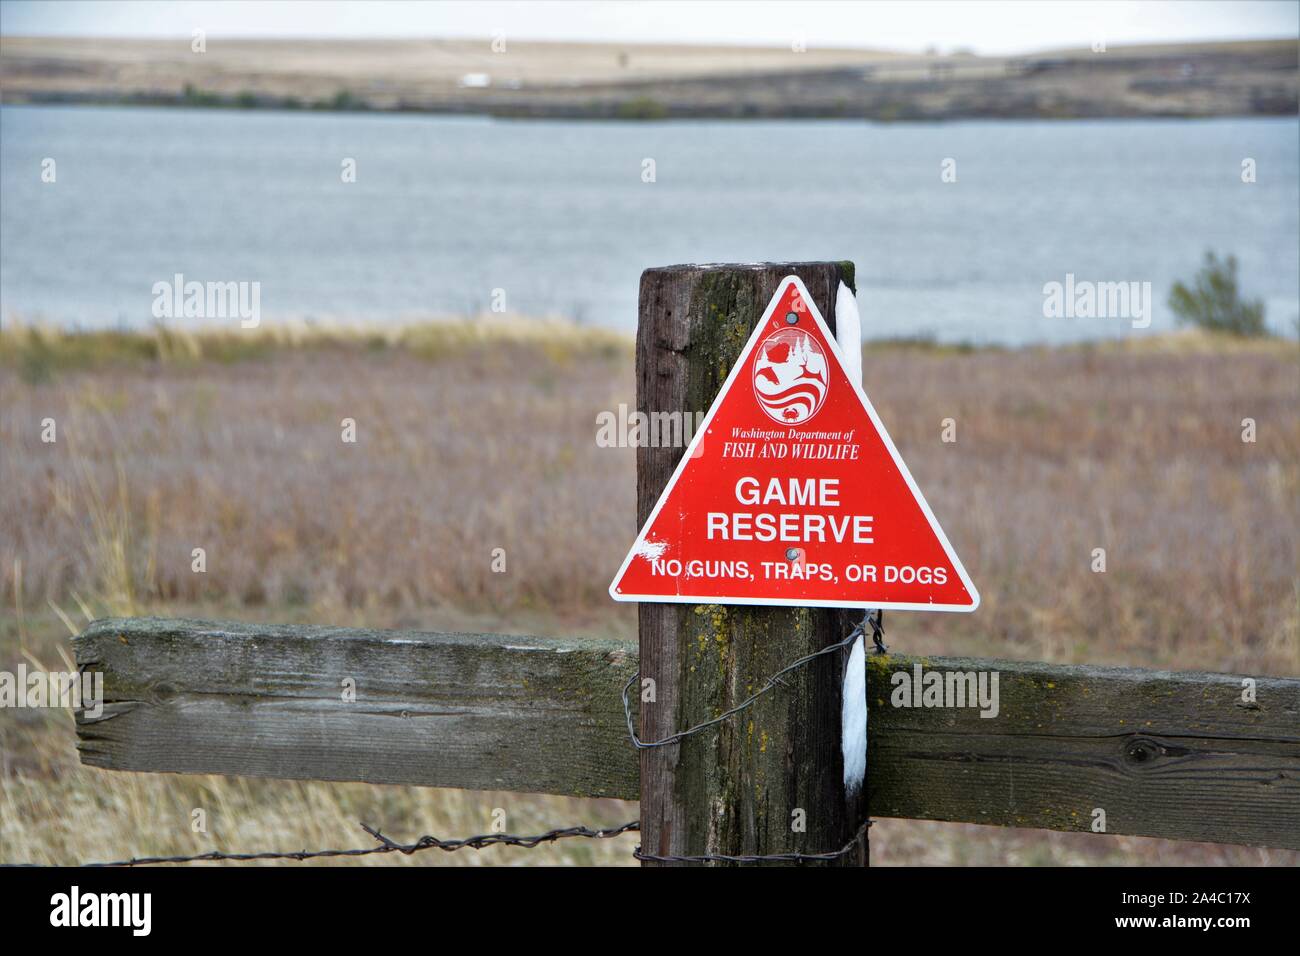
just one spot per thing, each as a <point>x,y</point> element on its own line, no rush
<point>792,857</point>
<point>878,630</point>
<point>877,634</point>
<point>483,840</point>
<point>389,846</point>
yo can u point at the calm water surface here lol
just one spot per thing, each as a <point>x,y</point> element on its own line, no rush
<point>445,210</point>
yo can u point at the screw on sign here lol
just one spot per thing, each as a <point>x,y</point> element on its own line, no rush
<point>792,492</point>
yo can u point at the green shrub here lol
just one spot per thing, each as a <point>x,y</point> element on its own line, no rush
<point>1215,304</point>
<point>641,108</point>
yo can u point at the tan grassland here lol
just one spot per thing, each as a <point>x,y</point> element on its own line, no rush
<point>474,435</point>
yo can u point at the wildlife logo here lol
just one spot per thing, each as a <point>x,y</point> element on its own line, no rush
<point>790,376</point>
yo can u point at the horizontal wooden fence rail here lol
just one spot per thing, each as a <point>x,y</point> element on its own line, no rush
<point>478,711</point>
<point>1178,755</point>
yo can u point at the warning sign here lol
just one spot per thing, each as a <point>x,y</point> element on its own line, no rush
<point>792,492</point>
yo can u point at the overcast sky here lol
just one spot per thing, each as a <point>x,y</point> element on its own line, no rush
<point>1006,26</point>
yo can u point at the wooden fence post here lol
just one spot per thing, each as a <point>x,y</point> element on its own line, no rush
<point>768,780</point>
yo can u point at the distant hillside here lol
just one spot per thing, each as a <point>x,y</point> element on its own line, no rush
<point>610,81</point>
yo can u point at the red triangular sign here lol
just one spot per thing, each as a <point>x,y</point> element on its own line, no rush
<point>792,493</point>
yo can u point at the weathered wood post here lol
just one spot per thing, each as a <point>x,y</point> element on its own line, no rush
<point>770,779</point>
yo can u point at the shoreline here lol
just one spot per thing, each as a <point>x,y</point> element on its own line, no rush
<point>647,83</point>
<point>39,352</point>
<point>621,113</point>
<point>145,103</point>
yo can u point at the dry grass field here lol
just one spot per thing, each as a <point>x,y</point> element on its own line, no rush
<point>480,435</point>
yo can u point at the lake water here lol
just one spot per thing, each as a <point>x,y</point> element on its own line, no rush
<point>445,210</point>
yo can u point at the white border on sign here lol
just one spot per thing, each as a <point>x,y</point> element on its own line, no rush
<point>703,430</point>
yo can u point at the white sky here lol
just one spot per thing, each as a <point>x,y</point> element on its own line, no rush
<point>994,27</point>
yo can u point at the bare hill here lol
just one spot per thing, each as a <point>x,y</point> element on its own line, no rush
<point>653,81</point>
